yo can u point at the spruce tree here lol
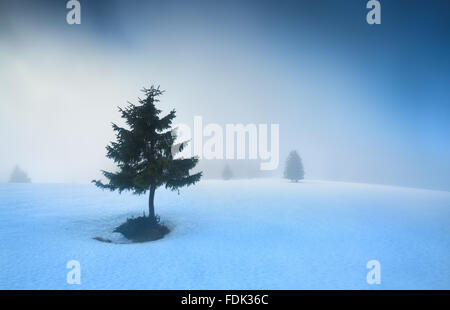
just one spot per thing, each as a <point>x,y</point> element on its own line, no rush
<point>227,174</point>
<point>294,167</point>
<point>144,152</point>
<point>19,176</point>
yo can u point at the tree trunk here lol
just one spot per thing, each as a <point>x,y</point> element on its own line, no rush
<point>151,205</point>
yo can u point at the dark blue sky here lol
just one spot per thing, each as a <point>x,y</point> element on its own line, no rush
<point>361,102</point>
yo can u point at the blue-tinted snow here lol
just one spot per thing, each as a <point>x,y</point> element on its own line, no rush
<point>240,234</point>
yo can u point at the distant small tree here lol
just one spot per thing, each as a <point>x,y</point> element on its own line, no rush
<point>227,174</point>
<point>19,176</point>
<point>144,153</point>
<point>294,167</point>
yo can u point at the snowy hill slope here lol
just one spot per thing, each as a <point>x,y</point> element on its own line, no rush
<point>246,234</point>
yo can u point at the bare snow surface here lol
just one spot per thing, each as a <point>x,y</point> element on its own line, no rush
<point>246,234</point>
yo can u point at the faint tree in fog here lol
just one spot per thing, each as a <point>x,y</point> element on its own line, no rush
<point>19,176</point>
<point>294,167</point>
<point>227,174</point>
<point>144,152</point>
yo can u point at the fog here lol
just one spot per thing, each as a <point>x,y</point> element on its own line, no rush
<point>350,114</point>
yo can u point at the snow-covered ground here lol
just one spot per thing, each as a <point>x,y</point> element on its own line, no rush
<point>246,234</point>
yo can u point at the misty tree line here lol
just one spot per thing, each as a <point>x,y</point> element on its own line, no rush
<point>293,170</point>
